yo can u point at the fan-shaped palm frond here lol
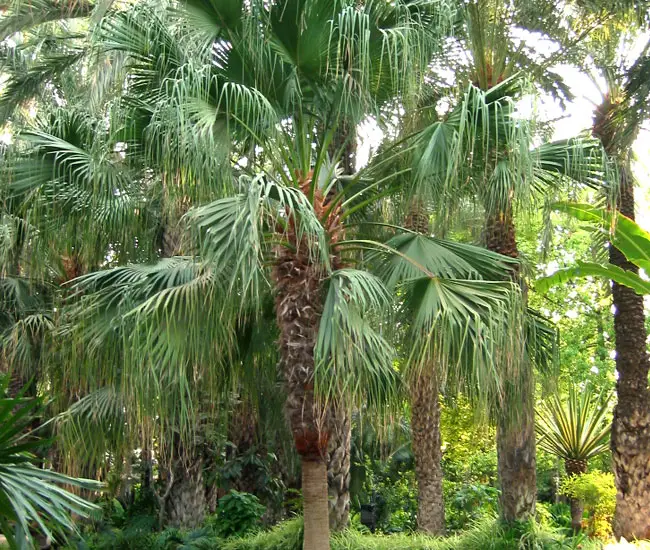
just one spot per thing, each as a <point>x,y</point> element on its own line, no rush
<point>25,14</point>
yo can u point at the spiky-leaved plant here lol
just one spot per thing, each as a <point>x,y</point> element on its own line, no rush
<point>575,429</point>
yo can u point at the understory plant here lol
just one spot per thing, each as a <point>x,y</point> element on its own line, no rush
<point>598,492</point>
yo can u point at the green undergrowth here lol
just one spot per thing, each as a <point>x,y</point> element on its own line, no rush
<point>486,535</point>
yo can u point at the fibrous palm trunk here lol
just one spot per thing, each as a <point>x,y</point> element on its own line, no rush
<point>425,421</point>
<point>186,502</point>
<point>338,468</point>
<point>339,451</point>
<point>425,428</point>
<point>630,440</point>
<point>576,468</point>
<point>298,306</point>
<point>631,424</point>
<point>516,423</point>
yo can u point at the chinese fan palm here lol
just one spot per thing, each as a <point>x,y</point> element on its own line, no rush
<point>482,152</point>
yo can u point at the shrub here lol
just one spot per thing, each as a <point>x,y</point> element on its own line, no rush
<point>237,514</point>
<point>598,492</point>
<point>467,503</point>
<point>198,539</point>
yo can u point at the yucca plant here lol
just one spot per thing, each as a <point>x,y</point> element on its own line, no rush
<point>31,497</point>
<point>574,429</point>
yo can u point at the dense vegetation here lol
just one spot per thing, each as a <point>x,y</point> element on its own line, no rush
<point>321,274</point>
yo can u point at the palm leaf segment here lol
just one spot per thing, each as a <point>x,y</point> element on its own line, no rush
<point>575,429</point>
<point>29,494</point>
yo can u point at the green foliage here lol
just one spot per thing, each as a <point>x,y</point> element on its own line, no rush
<point>286,536</point>
<point>176,539</point>
<point>29,494</point>
<point>576,427</point>
<point>486,535</point>
<point>391,488</point>
<point>632,240</point>
<point>467,503</point>
<point>598,492</point>
<point>237,514</point>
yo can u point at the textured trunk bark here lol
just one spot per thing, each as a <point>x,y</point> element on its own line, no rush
<point>425,428</point>
<point>630,441</point>
<point>338,468</point>
<point>298,307</point>
<point>425,421</point>
<point>339,452</point>
<point>315,508</point>
<point>516,424</point>
<point>185,505</point>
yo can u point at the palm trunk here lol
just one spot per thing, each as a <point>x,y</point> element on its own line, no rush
<point>339,452</point>
<point>631,424</point>
<point>298,307</point>
<point>186,504</point>
<point>630,440</point>
<point>516,423</point>
<point>425,428</point>
<point>576,468</point>
<point>315,508</point>
<point>338,468</point>
<point>425,421</point>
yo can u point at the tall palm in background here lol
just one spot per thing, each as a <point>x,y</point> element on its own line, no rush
<point>616,123</point>
<point>482,152</point>
<point>477,153</point>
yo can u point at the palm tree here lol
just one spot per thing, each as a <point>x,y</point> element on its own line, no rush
<point>616,129</point>
<point>477,153</point>
<point>632,243</point>
<point>480,152</point>
<point>280,228</point>
<point>575,430</point>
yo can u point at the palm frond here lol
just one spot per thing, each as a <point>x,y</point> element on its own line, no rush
<point>25,14</point>
<point>28,493</point>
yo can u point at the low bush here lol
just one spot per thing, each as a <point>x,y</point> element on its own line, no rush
<point>238,514</point>
<point>598,492</point>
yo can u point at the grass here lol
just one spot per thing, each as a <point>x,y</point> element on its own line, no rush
<point>487,535</point>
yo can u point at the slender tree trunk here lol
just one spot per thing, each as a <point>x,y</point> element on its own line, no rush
<point>338,468</point>
<point>186,504</point>
<point>576,468</point>
<point>425,421</point>
<point>516,423</point>
<point>630,441</point>
<point>315,508</point>
<point>425,428</point>
<point>298,306</point>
